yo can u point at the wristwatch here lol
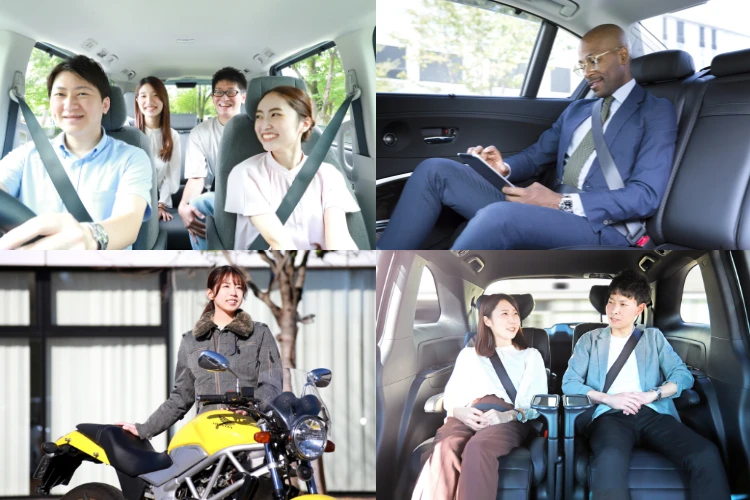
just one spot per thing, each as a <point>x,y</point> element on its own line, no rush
<point>100,235</point>
<point>566,203</point>
<point>658,393</point>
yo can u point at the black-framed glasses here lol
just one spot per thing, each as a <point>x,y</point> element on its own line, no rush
<point>593,61</point>
<point>229,93</point>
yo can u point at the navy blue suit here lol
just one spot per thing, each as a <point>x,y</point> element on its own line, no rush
<point>641,137</point>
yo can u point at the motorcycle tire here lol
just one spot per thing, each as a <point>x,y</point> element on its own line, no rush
<point>94,491</point>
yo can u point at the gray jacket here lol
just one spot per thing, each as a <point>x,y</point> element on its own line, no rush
<point>657,363</point>
<point>253,356</point>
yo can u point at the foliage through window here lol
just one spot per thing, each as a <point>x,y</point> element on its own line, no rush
<point>694,306</point>
<point>196,100</point>
<point>428,305</point>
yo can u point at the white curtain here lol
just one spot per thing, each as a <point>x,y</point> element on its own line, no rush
<point>15,418</point>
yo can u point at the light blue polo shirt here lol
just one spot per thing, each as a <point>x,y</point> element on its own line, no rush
<point>113,168</point>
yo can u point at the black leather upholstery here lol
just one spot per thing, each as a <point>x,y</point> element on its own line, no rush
<point>663,66</point>
<point>731,63</point>
<point>126,452</point>
<point>598,297</point>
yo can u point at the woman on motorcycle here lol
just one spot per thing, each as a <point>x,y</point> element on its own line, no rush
<point>463,464</point>
<point>224,328</point>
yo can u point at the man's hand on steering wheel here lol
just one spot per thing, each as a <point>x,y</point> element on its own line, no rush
<point>57,232</point>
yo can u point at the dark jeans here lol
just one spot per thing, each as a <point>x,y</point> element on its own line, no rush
<point>612,437</point>
<point>493,223</point>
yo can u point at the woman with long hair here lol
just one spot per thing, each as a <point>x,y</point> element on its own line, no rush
<point>223,327</point>
<point>152,118</point>
<point>256,187</point>
<point>463,463</point>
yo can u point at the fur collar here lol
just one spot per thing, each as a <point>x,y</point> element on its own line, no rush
<point>241,325</point>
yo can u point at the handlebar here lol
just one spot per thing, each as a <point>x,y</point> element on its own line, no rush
<point>244,397</point>
<point>211,398</point>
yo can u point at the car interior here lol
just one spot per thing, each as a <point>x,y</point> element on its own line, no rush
<point>711,105</point>
<point>418,342</point>
<point>183,45</point>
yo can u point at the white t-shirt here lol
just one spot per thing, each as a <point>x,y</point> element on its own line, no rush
<point>628,379</point>
<point>257,185</point>
<point>167,174</point>
<point>202,154</point>
<point>474,377</point>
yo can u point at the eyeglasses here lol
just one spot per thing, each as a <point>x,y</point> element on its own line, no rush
<point>229,93</point>
<point>593,61</point>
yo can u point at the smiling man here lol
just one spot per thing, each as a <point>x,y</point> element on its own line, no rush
<point>228,89</point>
<point>112,178</point>
<point>579,209</point>
<point>637,407</point>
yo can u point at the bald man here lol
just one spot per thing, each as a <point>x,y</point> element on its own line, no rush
<point>640,131</point>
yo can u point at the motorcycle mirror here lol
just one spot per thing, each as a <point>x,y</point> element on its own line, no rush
<point>320,377</point>
<point>213,361</point>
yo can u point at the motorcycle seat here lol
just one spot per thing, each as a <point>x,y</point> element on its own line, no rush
<point>127,453</point>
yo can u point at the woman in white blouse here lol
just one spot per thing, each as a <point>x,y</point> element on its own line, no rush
<point>463,463</point>
<point>283,120</point>
<point>152,117</point>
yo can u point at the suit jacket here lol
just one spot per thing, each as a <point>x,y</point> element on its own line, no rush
<point>641,137</point>
<point>657,363</point>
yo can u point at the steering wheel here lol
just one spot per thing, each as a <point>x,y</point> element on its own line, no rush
<point>13,213</point>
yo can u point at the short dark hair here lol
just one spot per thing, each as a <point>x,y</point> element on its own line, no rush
<point>631,284</point>
<point>231,74</point>
<point>85,68</point>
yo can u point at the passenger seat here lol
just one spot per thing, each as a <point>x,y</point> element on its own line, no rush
<point>150,237</point>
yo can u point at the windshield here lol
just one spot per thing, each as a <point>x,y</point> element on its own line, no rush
<point>300,387</point>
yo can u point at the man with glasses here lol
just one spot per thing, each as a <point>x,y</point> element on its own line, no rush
<point>228,88</point>
<point>580,209</point>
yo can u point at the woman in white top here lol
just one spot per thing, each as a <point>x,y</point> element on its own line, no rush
<point>152,117</point>
<point>463,463</point>
<point>256,187</point>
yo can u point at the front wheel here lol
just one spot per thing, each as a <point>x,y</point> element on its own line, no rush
<point>94,491</point>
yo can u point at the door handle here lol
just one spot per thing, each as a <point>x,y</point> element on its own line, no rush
<point>443,139</point>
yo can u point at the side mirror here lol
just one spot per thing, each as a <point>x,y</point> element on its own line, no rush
<point>320,377</point>
<point>213,362</point>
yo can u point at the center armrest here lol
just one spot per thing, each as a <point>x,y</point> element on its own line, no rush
<point>547,406</point>
<point>573,406</point>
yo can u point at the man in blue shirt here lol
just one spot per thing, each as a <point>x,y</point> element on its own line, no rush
<point>112,178</point>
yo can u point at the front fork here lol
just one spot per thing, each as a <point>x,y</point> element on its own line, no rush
<point>273,469</point>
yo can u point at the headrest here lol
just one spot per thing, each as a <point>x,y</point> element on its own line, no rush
<point>262,84</point>
<point>130,103</point>
<point>183,121</point>
<point>524,300</point>
<point>662,66</point>
<point>731,63</point>
<point>117,115</point>
<point>598,296</point>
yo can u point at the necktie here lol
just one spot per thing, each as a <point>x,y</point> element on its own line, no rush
<point>573,168</point>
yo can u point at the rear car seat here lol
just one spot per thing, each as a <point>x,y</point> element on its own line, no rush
<point>525,469</point>
<point>150,237</point>
<point>177,236</point>
<point>239,143</point>
<point>130,108</point>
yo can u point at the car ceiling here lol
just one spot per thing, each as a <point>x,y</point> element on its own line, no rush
<point>555,264</point>
<point>579,16</point>
<point>143,34</point>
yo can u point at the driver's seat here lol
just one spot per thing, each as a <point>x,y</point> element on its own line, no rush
<point>238,143</point>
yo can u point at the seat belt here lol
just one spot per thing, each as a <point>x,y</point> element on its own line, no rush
<point>612,374</point>
<point>504,378</point>
<point>52,164</point>
<point>309,169</point>
<point>633,231</point>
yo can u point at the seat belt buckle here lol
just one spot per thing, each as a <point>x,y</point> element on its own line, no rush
<point>643,241</point>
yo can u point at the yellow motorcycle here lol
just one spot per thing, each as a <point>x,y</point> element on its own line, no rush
<point>219,454</point>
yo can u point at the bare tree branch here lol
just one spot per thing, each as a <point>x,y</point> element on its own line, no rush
<point>267,259</point>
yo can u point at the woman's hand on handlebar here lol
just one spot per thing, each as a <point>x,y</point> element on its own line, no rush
<point>128,427</point>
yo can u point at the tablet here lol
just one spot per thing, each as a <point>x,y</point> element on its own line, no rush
<point>482,168</point>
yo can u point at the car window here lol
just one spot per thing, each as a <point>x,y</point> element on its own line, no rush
<point>694,306</point>
<point>39,67</point>
<point>324,75</point>
<point>559,80</point>
<point>428,305</point>
<point>703,31</point>
<point>196,100</point>
<point>464,47</point>
<point>556,300</point>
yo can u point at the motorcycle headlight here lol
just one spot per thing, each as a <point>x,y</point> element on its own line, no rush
<point>309,438</point>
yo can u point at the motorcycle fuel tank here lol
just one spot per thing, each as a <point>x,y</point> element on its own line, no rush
<point>216,430</point>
